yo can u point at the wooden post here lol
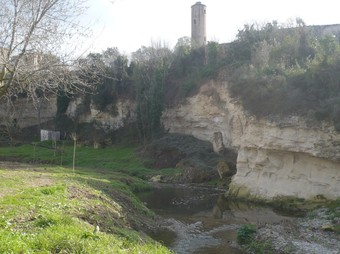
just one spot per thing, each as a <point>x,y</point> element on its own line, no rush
<point>74,137</point>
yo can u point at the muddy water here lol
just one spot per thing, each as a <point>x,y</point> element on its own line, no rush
<point>202,220</point>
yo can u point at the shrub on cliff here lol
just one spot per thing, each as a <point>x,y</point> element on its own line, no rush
<point>287,71</point>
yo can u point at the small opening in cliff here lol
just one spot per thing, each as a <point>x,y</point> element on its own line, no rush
<point>226,166</point>
<point>196,159</point>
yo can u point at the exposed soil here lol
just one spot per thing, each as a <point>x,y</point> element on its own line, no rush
<point>106,216</point>
<point>118,211</point>
<point>9,164</point>
<point>41,181</point>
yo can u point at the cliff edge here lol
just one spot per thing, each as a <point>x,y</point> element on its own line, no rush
<point>289,157</point>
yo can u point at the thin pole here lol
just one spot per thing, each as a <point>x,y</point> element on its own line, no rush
<point>74,136</point>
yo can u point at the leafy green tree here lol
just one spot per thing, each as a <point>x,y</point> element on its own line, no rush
<point>183,47</point>
<point>111,74</point>
<point>181,52</point>
<point>151,66</point>
<point>329,49</point>
<point>212,55</point>
<point>287,70</point>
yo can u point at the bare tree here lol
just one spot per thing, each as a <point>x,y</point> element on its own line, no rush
<point>35,54</point>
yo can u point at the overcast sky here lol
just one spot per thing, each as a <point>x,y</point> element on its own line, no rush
<point>130,24</point>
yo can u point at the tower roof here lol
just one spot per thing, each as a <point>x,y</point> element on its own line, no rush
<point>197,3</point>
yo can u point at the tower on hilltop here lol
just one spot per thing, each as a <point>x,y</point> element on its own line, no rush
<point>198,25</point>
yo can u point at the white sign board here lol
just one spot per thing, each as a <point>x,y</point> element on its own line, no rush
<point>49,135</point>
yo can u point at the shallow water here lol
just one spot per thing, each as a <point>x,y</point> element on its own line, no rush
<point>202,220</point>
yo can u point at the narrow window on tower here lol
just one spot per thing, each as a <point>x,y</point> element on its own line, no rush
<point>195,21</point>
<point>204,11</point>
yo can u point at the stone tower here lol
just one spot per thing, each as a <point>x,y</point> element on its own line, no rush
<point>198,25</point>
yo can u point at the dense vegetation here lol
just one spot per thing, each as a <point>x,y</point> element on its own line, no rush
<point>287,71</point>
<point>155,77</point>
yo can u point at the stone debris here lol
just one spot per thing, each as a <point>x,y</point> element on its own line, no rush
<point>307,235</point>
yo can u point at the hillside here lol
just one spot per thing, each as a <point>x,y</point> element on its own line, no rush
<point>289,72</point>
<point>50,209</point>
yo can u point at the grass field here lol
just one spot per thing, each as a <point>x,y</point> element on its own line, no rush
<point>49,209</point>
<point>113,159</point>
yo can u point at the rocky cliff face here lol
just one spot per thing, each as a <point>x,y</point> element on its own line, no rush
<point>26,114</point>
<point>116,117</point>
<point>281,158</point>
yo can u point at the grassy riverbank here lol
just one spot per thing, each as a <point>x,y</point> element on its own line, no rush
<point>49,209</point>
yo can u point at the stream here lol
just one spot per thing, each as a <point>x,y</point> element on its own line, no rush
<point>202,220</point>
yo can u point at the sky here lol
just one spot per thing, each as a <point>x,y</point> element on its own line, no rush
<point>130,24</point>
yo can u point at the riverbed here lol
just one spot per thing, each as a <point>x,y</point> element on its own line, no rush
<point>201,220</point>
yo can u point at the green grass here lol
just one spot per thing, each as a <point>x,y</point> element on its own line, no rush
<point>49,209</point>
<point>334,213</point>
<point>261,247</point>
<point>117,159</point>
<point>246,237</point>
<point>246,233</point>
<point>50,212</point>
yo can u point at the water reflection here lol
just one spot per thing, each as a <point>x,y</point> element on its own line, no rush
<point>202,220</point>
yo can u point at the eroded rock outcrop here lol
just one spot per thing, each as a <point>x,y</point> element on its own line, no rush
<point>117,115</point>
<point>287,157</point>
<point>26,114</point>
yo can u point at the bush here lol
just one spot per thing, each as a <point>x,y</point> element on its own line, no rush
<point>246,233</point>
<point>263,247</point>
<point>282,74</point>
